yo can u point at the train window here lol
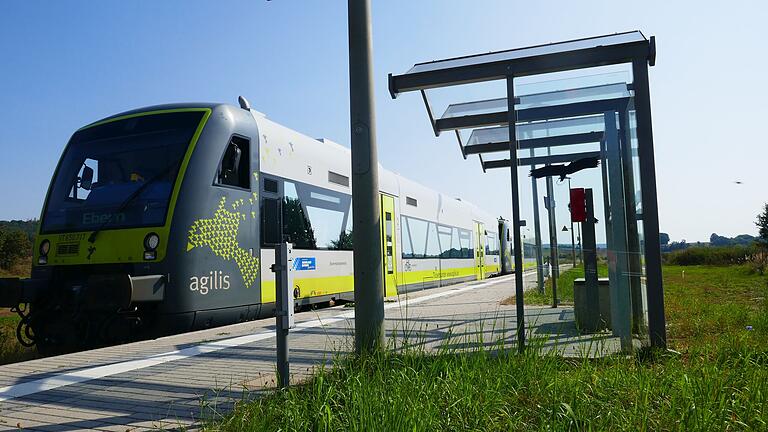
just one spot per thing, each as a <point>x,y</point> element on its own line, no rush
<point>296,226</point>
<point>86,179</point>
<point>433,245</point>
<point>327,227</point>
<point>270,221</point>
<point>270,185</point>
<point>389,245</point>
<point>338,179</point>
<point>492,244</point>
<point>235,164</point>
<point>418,236</point>
<point>406,237</point>
<point>444,232</point>
<point>465,240</point>
<point>455,251</point>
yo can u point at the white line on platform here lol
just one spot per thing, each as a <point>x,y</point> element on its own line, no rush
<point>63,380</point>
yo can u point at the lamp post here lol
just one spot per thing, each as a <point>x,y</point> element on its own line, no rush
<point>368,261</point>
<point>573,243</point>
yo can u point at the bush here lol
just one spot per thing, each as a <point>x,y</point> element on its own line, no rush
<point>703,255</point>
<point>14,246</point>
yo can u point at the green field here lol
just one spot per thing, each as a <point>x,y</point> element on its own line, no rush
<point>718,381</point>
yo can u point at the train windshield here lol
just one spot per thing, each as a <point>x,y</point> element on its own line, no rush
<point>119,174</point>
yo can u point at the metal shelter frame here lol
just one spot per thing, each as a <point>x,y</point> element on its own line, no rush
<point>511,112</point>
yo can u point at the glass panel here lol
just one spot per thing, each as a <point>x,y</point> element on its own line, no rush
<point>296,226</point>
<point>541,130</point>
<point>327,227</point>
<point>135,163</point>
<point>388,244</point>
<point>433,246</point>
<point>467,248</point>
<point>418,236</point>
<point>324,197</point>
<point>444,232</point>
<point>476,107</point>
<point>455,244</point>
<point>560,97</point>
<point>620,38</point>
<point>407,247</point>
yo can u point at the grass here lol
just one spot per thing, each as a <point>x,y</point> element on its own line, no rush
<point>564,287</point>
<point>10,349</point>
<point>718,382</point>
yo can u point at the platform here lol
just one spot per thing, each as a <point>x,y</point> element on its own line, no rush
<point>177,381</point>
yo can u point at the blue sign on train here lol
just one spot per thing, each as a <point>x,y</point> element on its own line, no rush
<point>306,263</point>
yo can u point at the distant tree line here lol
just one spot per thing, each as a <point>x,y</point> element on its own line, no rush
<point>16,239</point>
<point>743,249</point>
<point>714,240</point>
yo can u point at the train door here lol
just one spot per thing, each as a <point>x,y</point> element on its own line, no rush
<point>480,250</point>
<point>388,243</point>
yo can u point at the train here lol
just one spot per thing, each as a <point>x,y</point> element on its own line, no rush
<point>164,219</point>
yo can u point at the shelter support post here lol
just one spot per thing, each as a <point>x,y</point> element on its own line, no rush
<point>554,273</point>
<point>537,231</point>
<point>366,228</point>
<point>517,243</point>
<point>655,290</point>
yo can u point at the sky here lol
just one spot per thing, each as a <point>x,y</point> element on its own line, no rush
<point>66,64</point>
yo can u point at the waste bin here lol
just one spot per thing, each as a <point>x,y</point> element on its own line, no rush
<point>593,313</point>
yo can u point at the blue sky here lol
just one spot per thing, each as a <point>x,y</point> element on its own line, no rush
<point>65,64</point>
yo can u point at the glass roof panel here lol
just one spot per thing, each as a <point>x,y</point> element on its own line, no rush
<point>560,97</point>
<point>615,39</point>
<point>538,130</point>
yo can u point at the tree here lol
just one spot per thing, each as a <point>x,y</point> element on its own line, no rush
<point>762,225</point>
<point>760,257</point>
<point>296,226</point>
<point>344,242</point>
<point>716,240</point>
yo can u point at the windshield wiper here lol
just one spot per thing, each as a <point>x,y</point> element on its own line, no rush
<point>129,199</point>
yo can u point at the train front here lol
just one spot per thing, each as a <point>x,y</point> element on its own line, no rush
<point>98,260</point>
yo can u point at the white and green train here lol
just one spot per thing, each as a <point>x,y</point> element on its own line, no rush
<point>164,219</point>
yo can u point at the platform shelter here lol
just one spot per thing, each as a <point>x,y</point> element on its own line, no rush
<point>596,108</point>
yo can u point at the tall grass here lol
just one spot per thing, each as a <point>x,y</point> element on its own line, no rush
<point>718,382</point>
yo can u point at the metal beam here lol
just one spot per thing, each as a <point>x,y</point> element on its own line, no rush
<point>537,232</point>
<point>499,118</point>
<point>517,244</point>
<point>545,63</point>
<point>533,143</point>
<point>654,289</point>
<point>540,160</point>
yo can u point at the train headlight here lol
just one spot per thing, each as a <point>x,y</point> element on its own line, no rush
<point>151,241</point>
<point>45,246</point>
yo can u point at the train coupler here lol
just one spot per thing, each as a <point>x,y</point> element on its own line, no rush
<point>15,291</point>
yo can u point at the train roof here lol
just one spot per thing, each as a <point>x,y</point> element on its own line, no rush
<point>162,107</point>
<point>387,176</point>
